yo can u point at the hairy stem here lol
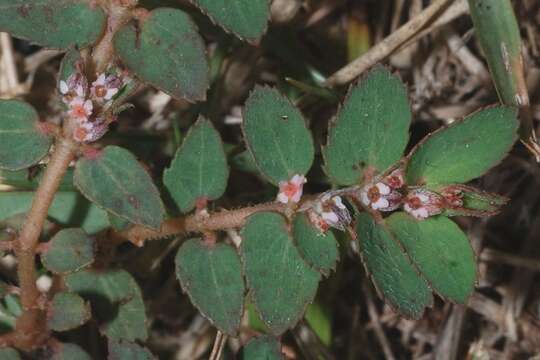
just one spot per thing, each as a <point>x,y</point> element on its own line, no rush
<point>28,324</point>
<point>118,15</point>
<point>222,220</point>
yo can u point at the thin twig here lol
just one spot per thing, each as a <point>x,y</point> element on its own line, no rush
<point>219,344</point>
<point>499,257</point>
<point>374,317</point>
<point>9,62</point>
<point>388,45</point>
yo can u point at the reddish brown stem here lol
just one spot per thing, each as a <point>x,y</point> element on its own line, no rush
<point>118,15</point>
<point>225,219</point>
<point>28,324</point>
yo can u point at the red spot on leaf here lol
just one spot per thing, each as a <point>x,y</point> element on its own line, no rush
<point>45,128</point>
<point>91,153</point>
<point>134,201</point>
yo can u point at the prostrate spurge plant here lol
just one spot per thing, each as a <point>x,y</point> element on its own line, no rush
<point>395,207</point>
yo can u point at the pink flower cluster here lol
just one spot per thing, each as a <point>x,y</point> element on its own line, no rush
<point>83,100</point>
<point>388,195</point>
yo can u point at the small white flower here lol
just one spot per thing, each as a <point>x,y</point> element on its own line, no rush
<point>419,213</point>
<point>380,197</point>
<point>291,191</point>
<point>75,86</point>
<point>328,212</point>
<point>421,204</point>
<point>105,87</point>
<point>64,88</point>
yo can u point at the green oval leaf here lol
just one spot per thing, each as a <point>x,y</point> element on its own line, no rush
<point>212,277</point>
<point>281,283</point>
<point>371,129</point>
<point>69,250</point>
<point>397,281</point>
<point>497,30</point>
<point>126,350</point>
<point>53,23</point>
<point>465,150</point>
<point>68,66</point>
<point>114,180</point>
<point>64,351</point>
<point>245,18</point>
<point>116,302</point>
<point>199,168</point>
<point>317,249</point>
<point>69,208</point>
<point>262,348</point>
<point>9,354</point>
<point>67,311</point>
<point>23,142</point>
<point>276,135</point>
<point>441,251</point>
<point>166,51</point>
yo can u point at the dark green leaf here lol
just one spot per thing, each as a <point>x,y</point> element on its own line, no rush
<point>199,168</point>
<point>441,251</point>
<point>67,311</point>
<point>67,209</point>
<point>276,135</point>
<point>53,23</point>
<point>212,277</point>
<point>281,283</point>
<point>465,150</point>
<point>397,281</point>
<point>262,348</point>
<point>317,249</point>
<point>67,351</point>
<point>245,18</point>
<point>69,250</point>
<point>319,319</point>
<point>166,50</point>
<point>116,302</point>
<point>497,30</point>
<point>4,289</point>
<point>475,202</point>
<point>125,350</point>
<point>29,179</point>
<point>68,66</point>
<point>9,354</point>
<point>371,129</point>
<point>118,223</point>
<point>115,181</point>
<point>23,139</point>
